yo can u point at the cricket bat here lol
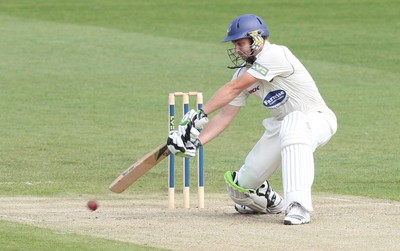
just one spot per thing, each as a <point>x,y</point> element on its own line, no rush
<point>139,168</point>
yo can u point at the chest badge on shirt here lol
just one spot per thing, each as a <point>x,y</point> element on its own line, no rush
<point>275,99</point>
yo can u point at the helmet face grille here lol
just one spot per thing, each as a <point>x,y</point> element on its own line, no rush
<point>237,61</point>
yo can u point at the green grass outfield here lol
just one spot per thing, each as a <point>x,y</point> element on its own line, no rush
<point>84,88</point>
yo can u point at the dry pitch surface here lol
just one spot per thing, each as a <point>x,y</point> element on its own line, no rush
<point>338,223</point>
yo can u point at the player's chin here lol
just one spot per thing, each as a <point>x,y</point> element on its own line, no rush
<point>244,56</point>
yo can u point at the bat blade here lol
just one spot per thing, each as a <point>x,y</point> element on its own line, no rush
<point>139,168</point>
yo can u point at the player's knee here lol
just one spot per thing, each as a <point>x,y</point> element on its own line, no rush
<point>295,129</point>
<point>250,177</point>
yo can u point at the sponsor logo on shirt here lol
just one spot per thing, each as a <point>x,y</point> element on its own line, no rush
<point>259,68</point>
<point>275,99</point>
<point>255,89</point>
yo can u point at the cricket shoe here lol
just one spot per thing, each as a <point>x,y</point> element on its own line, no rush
<point>245,209</point>
<point>296,214</point>
<point>275,203</point>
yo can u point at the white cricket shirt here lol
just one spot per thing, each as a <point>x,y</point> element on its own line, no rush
<point>285,84</point>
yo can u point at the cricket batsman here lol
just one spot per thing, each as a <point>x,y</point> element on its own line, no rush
<point>300,123</point>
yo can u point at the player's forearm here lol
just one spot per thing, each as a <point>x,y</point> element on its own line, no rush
<point>228,92</point>
<point>221,98</point>
<point>218,123</point>
<point>210,131</point>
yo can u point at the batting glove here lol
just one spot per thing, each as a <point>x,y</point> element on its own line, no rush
<point>191,124</point>
<point>199,118</point>
<point>189,132</point>
<point>178,146</point>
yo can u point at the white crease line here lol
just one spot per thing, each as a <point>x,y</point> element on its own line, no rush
<point>29,183</point>
<point>18,219</point>
<point>394,203</point>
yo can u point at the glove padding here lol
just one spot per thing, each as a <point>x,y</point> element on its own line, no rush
<point>191,124</point>
<point>188,131</point>
<point>180,147</point>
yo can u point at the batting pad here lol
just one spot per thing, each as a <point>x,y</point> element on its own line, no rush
<point>297,159</point>
<point>243,196</point>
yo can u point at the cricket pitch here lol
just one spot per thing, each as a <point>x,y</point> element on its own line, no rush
<point>337,223</point>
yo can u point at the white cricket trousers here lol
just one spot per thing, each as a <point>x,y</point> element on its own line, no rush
<point>266,156</point>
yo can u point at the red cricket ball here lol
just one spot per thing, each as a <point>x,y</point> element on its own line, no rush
<point>92,205</point>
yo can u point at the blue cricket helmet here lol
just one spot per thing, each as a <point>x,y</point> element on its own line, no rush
<point>242,25</point>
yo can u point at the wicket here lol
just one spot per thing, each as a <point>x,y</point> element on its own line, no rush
<point>186,164</point>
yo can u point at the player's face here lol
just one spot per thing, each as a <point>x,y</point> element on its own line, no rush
<point>242,47</point>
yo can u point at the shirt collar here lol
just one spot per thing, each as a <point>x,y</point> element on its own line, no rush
<point>266,46</point>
